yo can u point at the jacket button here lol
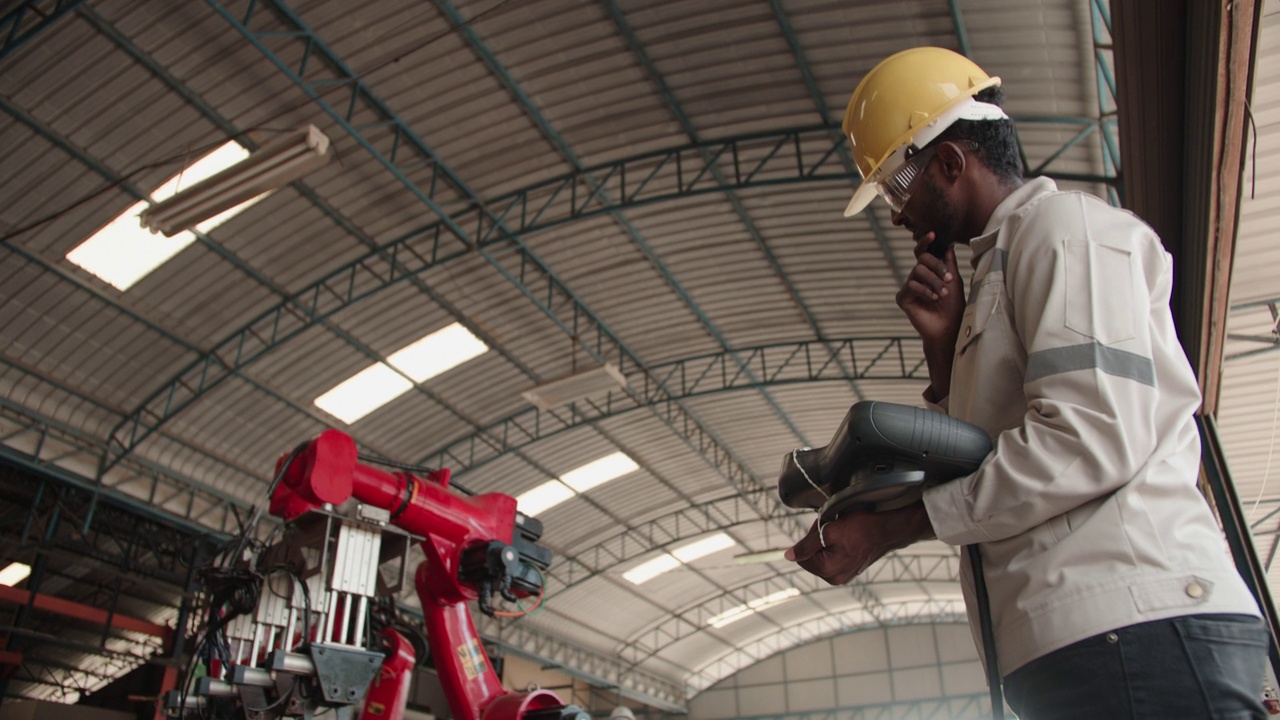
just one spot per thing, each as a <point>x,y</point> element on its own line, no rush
<point>1195,590</point>
<point>968,329</point>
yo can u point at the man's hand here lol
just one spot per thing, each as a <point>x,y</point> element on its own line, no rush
<point>933,299</point>
<point>856,540</point>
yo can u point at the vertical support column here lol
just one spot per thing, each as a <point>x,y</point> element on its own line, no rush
<point>34,580</point>
<point>175,650</point>
<point>1218,477</point>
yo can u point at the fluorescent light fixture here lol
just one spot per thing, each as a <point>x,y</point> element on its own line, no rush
<point>575,387</point>
<point>440,351</point>
<point>14,573</point>
<point>703,547</point>
<point>544,497</point>
<point>274,165</point>
<point>598,472</point>
<point>739,612</point>
<point>651,569</point>
<point>123,252</point>
<point>380,383</point>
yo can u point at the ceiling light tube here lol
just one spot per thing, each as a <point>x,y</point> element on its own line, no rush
<point>273,166</point>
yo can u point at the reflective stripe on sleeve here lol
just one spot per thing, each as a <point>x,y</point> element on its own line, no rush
<point>1091,356</point>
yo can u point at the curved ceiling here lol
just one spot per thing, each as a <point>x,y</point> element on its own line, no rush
<point>653,185</point>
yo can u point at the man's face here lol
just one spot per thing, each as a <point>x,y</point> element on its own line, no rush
<point>929,209</point>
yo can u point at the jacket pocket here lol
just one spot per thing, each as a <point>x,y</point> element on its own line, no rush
<point>1171,593</point>
<point>1099,280</point>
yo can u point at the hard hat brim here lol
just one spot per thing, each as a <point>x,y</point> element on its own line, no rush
<point>862,197</point>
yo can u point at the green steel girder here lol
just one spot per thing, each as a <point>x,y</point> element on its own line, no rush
<point>28,18</point>
<point>385,135</point>
<point>541,207</point>
<point>780,157</point>
<point>651,641</point>
<point>664,385</point>
<point>147,489</point>
<point>914,612</point>
<point>614,553</point>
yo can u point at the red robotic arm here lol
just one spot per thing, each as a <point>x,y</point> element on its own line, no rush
<point>470,551</point>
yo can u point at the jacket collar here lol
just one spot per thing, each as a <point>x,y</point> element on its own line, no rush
<point>1024,195</point>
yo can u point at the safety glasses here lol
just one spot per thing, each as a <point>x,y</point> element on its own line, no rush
<point>896,188</point>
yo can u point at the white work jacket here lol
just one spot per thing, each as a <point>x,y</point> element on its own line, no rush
<point>1087,511</point>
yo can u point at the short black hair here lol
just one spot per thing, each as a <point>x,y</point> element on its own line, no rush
<point>995,142</point>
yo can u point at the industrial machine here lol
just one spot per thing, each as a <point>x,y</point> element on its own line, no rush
<point>881,457</point>
<point>301,624</point>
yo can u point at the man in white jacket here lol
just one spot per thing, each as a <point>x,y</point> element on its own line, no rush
<point>1111,591</point>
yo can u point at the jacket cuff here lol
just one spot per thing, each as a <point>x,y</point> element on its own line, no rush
<point>932,401</point>
<point>949,513</point>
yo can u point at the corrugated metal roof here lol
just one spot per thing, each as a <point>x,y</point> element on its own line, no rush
<point>113,99</point>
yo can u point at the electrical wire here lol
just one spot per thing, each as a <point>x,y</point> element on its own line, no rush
<point>417,469</point>
<point>537,605</point>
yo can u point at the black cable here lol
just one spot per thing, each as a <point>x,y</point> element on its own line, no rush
<point>988,633</point>
<point>418,469</point>
<point>376,460</point>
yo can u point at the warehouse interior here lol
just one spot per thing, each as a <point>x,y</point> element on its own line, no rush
<point>628,214</point>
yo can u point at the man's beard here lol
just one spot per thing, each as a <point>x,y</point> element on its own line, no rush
<point>941,210</point>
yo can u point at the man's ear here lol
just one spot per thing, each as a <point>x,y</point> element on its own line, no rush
<point>951,161</point>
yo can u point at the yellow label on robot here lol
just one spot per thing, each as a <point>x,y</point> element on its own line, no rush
<point>472,657</point>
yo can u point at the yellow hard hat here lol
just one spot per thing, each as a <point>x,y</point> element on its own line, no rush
<point>905,102</point>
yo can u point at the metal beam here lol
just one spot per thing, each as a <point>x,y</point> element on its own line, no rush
<point>52,443</point>
<point>850,359</point>
<point>649,642</point>
<point>394,144</point>
<point>78,611</point>
<point>928,612</point>
<point>27,19</point>
<point>650,68</point>
<point>496,67</point>
<point>612,554</point>
<point>664,176</point>
<point>173,83</point>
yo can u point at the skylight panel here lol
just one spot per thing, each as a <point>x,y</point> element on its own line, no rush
<point>688,552</point>
<point>381,383</point>
<point>363,393</point>
<point>739,612</point>
<point>14,573</point>
<point>651,569</point>
<point>544,497</point>
<point>123,252</point>
<point>579,480</point>
<point>440,351</point>
<point>598,472</point>
<point>703,547</point>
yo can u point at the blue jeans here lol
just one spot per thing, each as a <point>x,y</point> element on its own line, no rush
<point>1198,666</point>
